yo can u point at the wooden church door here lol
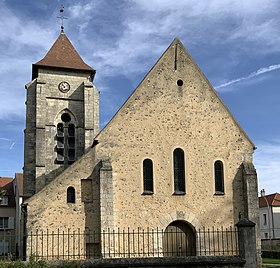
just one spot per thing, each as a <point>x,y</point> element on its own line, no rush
<point>179,240</point>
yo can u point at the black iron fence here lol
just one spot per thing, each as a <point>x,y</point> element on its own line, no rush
<point>128,243</point>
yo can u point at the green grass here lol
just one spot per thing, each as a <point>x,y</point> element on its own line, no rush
<point>271,261</point>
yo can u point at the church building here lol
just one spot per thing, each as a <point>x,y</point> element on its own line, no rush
<point>172,156</point>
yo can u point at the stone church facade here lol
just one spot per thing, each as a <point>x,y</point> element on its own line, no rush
<point>172,153</point>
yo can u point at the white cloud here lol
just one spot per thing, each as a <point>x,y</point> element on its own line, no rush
<point>6,144</point>
<point>267,162</point>
<point>131,44</point>
<point>5,139</point>
<point>20,46</point>
<point>148,25</point>
<point>252,75</point>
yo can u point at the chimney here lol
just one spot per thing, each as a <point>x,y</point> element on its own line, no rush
<point>263,192</point>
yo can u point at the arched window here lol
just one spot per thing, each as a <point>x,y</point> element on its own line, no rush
<point>71,198</point>
<point>65,140</point>
<point>148,176</point>
<point>179,171</point>
<point>219,177</point>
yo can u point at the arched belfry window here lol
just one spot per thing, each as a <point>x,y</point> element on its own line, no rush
<point>148,179</point>
<point>219,177</point>
<point>71,196</point>
<point>179,171</point>
<point>65,139</point>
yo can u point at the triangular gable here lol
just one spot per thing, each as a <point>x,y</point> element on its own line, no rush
<point>175,50</point>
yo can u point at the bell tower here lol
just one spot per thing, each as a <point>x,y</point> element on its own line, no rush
<point>62,114</point>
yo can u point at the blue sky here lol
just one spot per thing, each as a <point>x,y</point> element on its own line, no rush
<point>235,43</point>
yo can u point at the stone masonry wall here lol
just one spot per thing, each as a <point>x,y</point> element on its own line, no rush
<point>159,117</point>
<point>49,209</point>
<point>29,137</point>
<point>45,104</point>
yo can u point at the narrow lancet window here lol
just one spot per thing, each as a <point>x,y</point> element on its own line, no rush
<point>219,177</point>
<point>148,176</point>
<point>179,171</point>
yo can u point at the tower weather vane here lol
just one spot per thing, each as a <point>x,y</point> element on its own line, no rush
<point>62,17</point>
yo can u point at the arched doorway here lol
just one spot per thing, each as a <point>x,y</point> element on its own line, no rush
<point>179,240</point>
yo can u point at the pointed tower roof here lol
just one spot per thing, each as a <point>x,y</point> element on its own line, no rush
<point>62,54</point>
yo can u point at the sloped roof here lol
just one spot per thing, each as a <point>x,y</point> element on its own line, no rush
<point>62,54</point>
<point>272,200</point>
<point>6,183</point>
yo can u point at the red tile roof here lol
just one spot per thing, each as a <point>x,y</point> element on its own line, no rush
<point>62,55</point>
<point>5,180</point>
<point>271,200</point>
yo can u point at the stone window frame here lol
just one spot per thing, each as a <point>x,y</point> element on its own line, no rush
<point>179,171</point>
<point>66,138</point>
<point>148,176</point>
<point>219,177</point>
<point>71,195</point>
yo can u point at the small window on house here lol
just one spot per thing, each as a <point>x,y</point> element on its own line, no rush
<point>4,201</point>
<point>4,222</point>
<point>264,219</point>
<point>148,176</point>
<point>179,171</point>
<point>71,195</point>
<point>219,177</point>
<point>266,235</point>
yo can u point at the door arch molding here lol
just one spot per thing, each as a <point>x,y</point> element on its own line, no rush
<point>185,216</point>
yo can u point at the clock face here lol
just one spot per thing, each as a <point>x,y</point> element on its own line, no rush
<point>64,87</point>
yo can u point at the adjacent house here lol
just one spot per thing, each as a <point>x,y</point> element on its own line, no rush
<point>269,206</point>
<point>10,213</point>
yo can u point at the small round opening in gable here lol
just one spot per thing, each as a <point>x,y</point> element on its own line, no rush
<point>65,117</point>
<point>180,82</point>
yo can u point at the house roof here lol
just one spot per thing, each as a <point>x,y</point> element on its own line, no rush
<point>271,200</point>
<point>62,54</point>
<point>6,183</point>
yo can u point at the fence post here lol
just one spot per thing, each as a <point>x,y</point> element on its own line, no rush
<point>247,242</point>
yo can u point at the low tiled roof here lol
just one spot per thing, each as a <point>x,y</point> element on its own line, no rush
<point>271,200</point>
<point>62,55</point>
